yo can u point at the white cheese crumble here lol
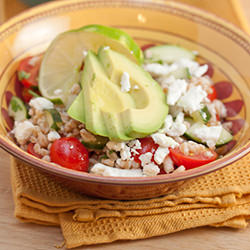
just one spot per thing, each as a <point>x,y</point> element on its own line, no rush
<point>175,91</point>
<point>193,67</point>
<point>134,145</point>
<point>126,154</point>
<point>41,103</point>
<point>106,48</point>
<point>210,135</point>
<point>33,60</point>
<point>104,170</point>
<point>125,83</point>
<point>174,128</point>
<point>53,135</point>
<point>145,158</point>
<point>23,131</point>
<point>151,169</point>
<point>201,70</point>
<point>160,154</point>
<point>191,100</point>
<point>136,87</point>
<point>164,141</point>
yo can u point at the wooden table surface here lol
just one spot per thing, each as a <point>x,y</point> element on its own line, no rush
<point>15,235</point>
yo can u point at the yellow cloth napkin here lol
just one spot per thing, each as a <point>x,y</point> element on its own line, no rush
<point>219,199</point>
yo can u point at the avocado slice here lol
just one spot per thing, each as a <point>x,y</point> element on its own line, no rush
<point>99,99</point>
<point>110,112</point>
<point>150,102</point>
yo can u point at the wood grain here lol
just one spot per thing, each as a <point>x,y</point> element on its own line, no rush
<point>15,235</point>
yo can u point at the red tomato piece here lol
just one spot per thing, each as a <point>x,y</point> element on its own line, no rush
<point>28,71</point>
<point>194,160</point>
<point>147,145</point>
<point>31,150</point>
<point>211,96</point>
<point>70,153</point>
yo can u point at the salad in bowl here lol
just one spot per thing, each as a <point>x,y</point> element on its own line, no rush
<point>96,102</point>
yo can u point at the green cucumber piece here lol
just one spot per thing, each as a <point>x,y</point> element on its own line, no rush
<point>53,118</point>
<point>168,53</point>
<point>202,116</point>
<point>17,109</point>
<point>224,138</point>
<point>99,143</point>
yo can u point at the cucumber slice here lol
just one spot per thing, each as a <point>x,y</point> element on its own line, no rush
<point>99,143</point>
<point>168,53</point>
<point>224,138</point>
<point>17,109</point>
<point>202,116</point>
<point>54,118</point>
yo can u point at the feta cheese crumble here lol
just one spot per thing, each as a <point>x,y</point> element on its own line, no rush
<point>210,135</point>
<point>104,170</point>
<point>160,154</point>
<point>125,83</point>
<point>175,91</point>
<point>33,60</point>
<point>164,141</point>
<point>41,103</point>
<point>174,128</point>
<point>23,131</point>
<point>145,158</point>
<point>191,100</point>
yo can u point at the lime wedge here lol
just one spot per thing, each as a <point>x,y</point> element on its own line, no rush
<point>62,61</point>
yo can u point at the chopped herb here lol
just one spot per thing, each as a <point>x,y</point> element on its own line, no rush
<point>33,93</point>
<point>111,152</point>
<point>14,105</point>
<point>188,74</point>
<point>23,75</point>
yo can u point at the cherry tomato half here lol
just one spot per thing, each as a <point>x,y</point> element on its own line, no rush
<point>30,150</point>
<point>192,161</point>
<point>211,96</point>
<point>147,145</point>
<point>70,153</point>
<point>28,70</point>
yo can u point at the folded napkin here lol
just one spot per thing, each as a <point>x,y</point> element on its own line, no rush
<point>221,198</point>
